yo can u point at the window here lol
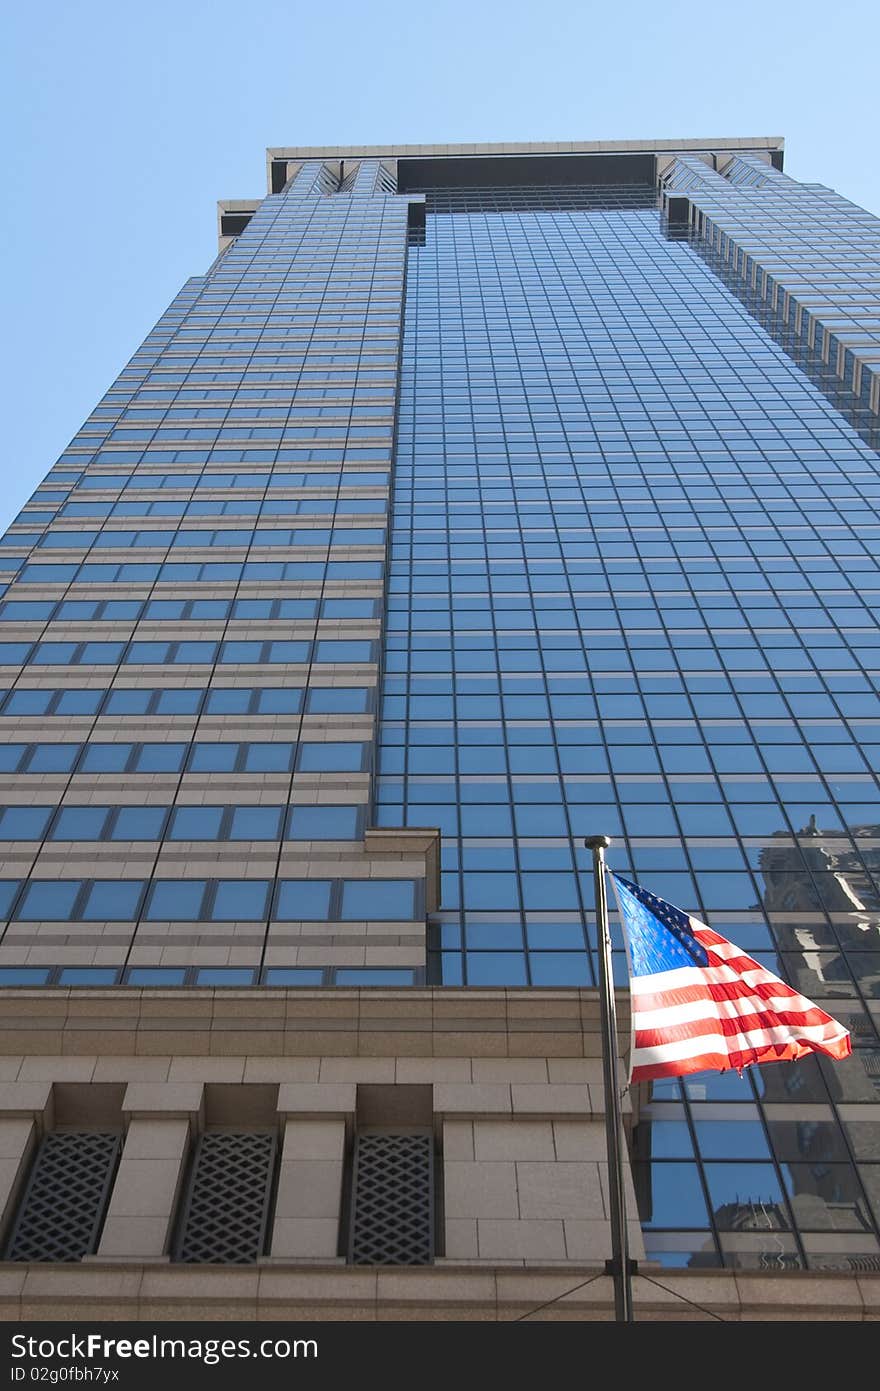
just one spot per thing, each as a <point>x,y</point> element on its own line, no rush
<point>79,823</point>
<point>255,823</point>
<point>306,900</point>
<point>266,758</point>
<point>282,651</point>
<point>224,976</point>
<point>104,758</point>
<point>228,702</point>
<point>15,653</point>
<point>156,975</point>
<point>87,975</point>
<point>294,975</point>
<point>49,901</point>
<point>379,899</point>
<point>242,652</point>
<point>11,756</point>
<point>138,823</point>
<point>26,702</point>
<point>52,758</point>
<point>338,700</point>
<point>213,758</point>
<point>24,975</point>
<point>240,899</point>
<point>341,650</point>
<point>24,823</point>
<point>146,652</point>
<point>195,823</point>
<point>111,900</point>
<point>323,823</point>
<point>280,701</point>
<point>124,702</point>
<point>78,702</point>
<point>178,701</point>
<point>8,890</point>
<point>21,611</point>
<point>160,758</point>
<point>101,652</point>
<point>331,758</point>
<point>175,900</point>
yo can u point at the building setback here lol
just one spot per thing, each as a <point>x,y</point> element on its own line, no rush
<point>476,500</point>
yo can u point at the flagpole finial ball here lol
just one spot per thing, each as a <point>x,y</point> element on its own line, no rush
<point>597,842</point>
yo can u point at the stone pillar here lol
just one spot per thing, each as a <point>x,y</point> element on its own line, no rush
<point>525,1174</point>
<point>162,1117</point>
<point>25,1112</point>
<point>308,1205</point>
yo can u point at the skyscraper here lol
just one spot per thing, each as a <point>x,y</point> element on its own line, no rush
<point>476,500</point>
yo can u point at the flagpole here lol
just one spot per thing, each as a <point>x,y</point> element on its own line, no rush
<point>619,1265</point>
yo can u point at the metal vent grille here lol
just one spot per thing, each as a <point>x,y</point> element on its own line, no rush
<point>863,1265</point>
<point>226,1208</point>
<point>392,1220</point>
<point>63,1205</point>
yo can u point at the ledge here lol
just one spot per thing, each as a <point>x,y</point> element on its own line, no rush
<point>527,147</point>
<point>440,1022</point>
<point>446,1291</point>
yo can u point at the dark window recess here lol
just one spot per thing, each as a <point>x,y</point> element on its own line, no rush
<point>228,1199</point>
<point>488,171</point>
<point>279,174</point>
<point>63,1206</point>
<point>678,211</point>
<point>416,224</point>
<point>392,1199</point>
<point>233,224</point>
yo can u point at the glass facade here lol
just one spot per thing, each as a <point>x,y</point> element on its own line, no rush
<point>188,733</point>
<point>632,588</point>
<point>628,586</point>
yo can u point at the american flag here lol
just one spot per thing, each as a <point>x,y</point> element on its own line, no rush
<point>699,1004</point>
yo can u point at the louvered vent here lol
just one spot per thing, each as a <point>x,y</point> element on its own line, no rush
<point>860,1263</point>
<point>226,1207</point>
<point>871,1061</point>
<point>66,1197</point>
<point>392,1220</point>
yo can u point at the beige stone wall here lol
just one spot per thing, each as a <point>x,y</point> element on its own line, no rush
<point>523,1156</point>
<point>514,1084</point>
<point>497,1293</point>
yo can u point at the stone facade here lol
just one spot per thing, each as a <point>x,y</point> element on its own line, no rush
<point>515,1091</point>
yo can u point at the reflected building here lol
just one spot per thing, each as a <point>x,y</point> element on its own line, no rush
<point>822,872</point>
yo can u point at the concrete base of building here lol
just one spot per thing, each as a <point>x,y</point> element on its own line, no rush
<point>454,1292</point>
<point>510,1084</point>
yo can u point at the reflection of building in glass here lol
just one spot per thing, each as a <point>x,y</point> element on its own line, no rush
<point>823,871</point>
<point>754,1236</point>
<point>824,904</point>
<point>752,1215</point>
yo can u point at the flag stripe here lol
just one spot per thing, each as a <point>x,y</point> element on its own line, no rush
<point>674,1013</point>
<point>730,1012</point>
<point>708,1039</point>
<point>755,1030</point>
<point>723,988</point>
<point>652,1063</point>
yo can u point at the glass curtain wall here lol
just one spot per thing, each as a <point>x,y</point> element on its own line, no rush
<point>631,591</point>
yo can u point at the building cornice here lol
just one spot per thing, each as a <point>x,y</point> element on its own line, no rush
<point>528,147</point>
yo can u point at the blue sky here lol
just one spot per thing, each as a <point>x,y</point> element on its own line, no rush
<point>123,124</point>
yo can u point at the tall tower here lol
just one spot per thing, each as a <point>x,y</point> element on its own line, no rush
<point>476,500</point>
